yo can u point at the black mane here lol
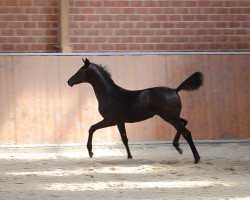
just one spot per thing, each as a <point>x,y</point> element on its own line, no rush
<point>105,72</point>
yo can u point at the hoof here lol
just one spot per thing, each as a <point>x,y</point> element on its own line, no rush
<point>91,154</point>
<point>197,159</point>
<point>130,157</point>
<point>180,151</point>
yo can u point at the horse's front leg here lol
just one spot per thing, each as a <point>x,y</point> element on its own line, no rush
<point>122,130</point>
<point>102,124</point>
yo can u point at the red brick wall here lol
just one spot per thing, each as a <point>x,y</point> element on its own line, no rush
<point>136,25</point>
<point>28,25</point>
<point>131,25</point>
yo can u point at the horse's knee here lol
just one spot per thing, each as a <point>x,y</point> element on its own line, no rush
<point>91,130</point>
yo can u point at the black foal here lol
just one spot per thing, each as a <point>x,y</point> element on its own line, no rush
<point>119,106</point>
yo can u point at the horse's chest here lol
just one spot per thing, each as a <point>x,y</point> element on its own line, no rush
<point>107,110</point>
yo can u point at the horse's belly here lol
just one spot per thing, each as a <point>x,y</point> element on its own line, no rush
<point>137,117</point>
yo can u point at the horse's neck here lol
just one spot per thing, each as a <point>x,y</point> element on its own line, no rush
<point>103,89</point>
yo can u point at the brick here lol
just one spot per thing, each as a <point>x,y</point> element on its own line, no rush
<point>168,25</point>
<point>243,3</point>
<point>140,25</point>
<point>230,3</point>
<point>107,47</point>
<point>109,4</point>
<point>147,32</point>
<point>217,3</point>
<point>134,32</point>
<point>190,3</point>
<point>93,47</point>
<point>113,39</point>
<point>204,3</point>
<point>28,40</point>
<point>15,40</point>
<point>134,17</point>
<point>180,24</point>
<point>29,25</point>
<point>195,24</point>
<point>147,47</point>
<point>136,4</point>
<point>175,47</point>
<point>111,18</point>
<point>154,40</point>
<point>120,47</point>
<point>141,39</point>
<point>134,47</point>
<point>22,17</point>
<point>202,32</point>
<point>8,18</point>
<point>188,46</point>
<point>95,3</point>
<point>23,32</point>
<point>10,2</point>
<point>147,18</point>
<point>161,18</point>
<point>201,17</point>
<point>181,40</point>
<point>150,3</point>
<point>168,39</point>
<point>202,47</point>
<point>86,40</point>
<point>37,47</point>
<point>25,3</point>
<point>92,17</point>
<point>127,39</point>
<point>128,11</point>
<point>177,3</point>
<point>105,32</point>
<point>154,25</point>
<point>15,25</point>
<point>244,46</point>
<point>175,18</point>
<point>182,11</point>
<point>228,46</point>
<point>168,11</point>
<point>8,47</point>
<point>164,4</point>
<point>188,17</point>
<point>122,3</point>
<point>99,25</point>
<point>234,24</point>
<point>130,25</point>
<point>3,24</point>
<point>113,25</point>
<point>209,39</point>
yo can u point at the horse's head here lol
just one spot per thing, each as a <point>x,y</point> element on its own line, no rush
<point>81,75</point>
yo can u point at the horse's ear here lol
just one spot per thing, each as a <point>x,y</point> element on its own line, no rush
<point>86,61</point>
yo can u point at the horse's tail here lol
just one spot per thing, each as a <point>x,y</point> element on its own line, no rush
<point>191,83</point>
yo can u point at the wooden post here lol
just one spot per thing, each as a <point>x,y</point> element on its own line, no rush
<point>64,26</point>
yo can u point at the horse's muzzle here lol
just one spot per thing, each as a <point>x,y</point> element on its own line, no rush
<point>70,83</point>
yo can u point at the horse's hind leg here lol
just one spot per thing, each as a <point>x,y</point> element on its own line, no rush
<point>177,137</point>
<point>122,130</point>
<point>188,137</point>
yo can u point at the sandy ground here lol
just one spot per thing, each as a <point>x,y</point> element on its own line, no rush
<point>155,172</point>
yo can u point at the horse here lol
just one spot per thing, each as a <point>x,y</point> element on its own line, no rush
<point>118,106</point>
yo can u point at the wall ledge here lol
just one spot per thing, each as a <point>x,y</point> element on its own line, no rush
<point>123,53</point>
